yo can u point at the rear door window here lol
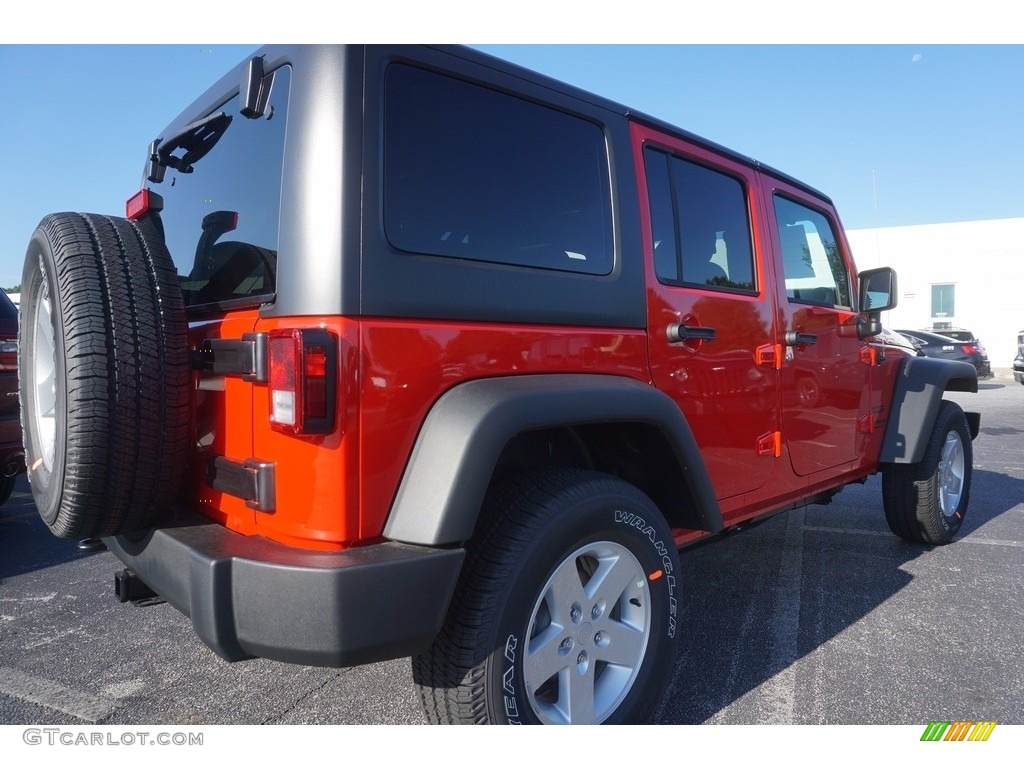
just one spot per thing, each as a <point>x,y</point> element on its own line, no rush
<point>700,224</point>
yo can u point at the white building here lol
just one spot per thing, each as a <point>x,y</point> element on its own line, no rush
<point>962,275</point>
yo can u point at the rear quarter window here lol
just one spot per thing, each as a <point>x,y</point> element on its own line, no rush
<point>474,173</point>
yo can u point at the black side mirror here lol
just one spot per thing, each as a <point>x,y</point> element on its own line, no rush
<point>877,290</point>
<point>877,294</point>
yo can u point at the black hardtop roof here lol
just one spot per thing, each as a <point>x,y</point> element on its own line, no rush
<point>274,53</point>
<point>640,117</point>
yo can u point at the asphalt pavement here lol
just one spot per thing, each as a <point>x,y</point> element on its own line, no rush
<point>819,615</point>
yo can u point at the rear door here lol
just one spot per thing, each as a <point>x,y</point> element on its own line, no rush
<point>711,324</point>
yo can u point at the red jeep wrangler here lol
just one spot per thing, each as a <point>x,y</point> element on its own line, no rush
<point>406,351</point>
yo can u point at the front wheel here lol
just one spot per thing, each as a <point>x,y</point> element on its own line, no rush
<point>926,502</point>
<point>566,610</point>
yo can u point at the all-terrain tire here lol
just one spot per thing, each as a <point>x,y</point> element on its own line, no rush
<point>565,611</point>
<point>105,377</point>
<point>926,502</point>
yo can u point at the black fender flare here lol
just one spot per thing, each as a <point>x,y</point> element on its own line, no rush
<point>916,398</point>
<point>451,463</point>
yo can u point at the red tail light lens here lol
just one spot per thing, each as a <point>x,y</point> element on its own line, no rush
<point>968,349</point>
<point>137,204</point>
<point>303,380</point>
<point>141,203</point>
<point>8,353</point>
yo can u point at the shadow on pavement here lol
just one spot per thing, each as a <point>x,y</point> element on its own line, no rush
<point>760,600</point>
<point>26,544</point>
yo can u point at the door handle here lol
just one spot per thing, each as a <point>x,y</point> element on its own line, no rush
<point>678,332</point>
<point>797,339</point>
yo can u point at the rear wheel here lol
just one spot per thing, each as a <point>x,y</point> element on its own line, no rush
<point>926,502</point>
<point>105,375</point>
<point>565,612</point>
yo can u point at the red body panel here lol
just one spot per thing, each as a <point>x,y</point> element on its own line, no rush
<point>335,490</point>
<point>747,386</point>
<point>775,423</point>
<point>407,366</point>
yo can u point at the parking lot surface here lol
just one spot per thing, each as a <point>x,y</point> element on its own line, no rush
<point>819,615</point>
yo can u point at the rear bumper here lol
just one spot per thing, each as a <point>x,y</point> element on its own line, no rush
<point>248,596</point>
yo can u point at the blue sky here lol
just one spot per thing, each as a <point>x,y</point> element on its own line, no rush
<point>895,134</point>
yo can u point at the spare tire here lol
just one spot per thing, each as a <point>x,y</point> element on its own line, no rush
<point>105,376</point>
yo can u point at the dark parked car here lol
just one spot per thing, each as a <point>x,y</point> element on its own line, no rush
<point>962,334</point>
<point>12,456</point>
<point>1018,361</point>
<point>950,348</point>
<point>892,338</point>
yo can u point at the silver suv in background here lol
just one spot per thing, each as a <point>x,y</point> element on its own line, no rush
<point>1018,361</point>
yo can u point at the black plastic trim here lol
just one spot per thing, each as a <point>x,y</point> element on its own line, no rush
<point>463,435</point>
<point>255,89</point>
<point>920,385</point>
<point>245,357</point>
<point>797,339</point>
<point>679,332</point>
<point>128,587</point>
<point>248,596</point>
<point>321,337</point>
<point>252,480</point>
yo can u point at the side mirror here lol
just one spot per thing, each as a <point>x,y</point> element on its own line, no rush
<point>868,326</point>
<point>877,290</point>
<point>877,294</point>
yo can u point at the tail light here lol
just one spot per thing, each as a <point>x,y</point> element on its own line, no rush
<point>8,353</point>
<point>141,203</point>
<point>969,349</point>
<point>303,380</point>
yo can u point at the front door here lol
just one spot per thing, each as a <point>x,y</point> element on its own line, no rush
<point>825,375</point>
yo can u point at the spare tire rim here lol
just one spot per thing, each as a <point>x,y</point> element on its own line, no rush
<point>44,379</point>
<point>588,634</point>
<point>951,474</point>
